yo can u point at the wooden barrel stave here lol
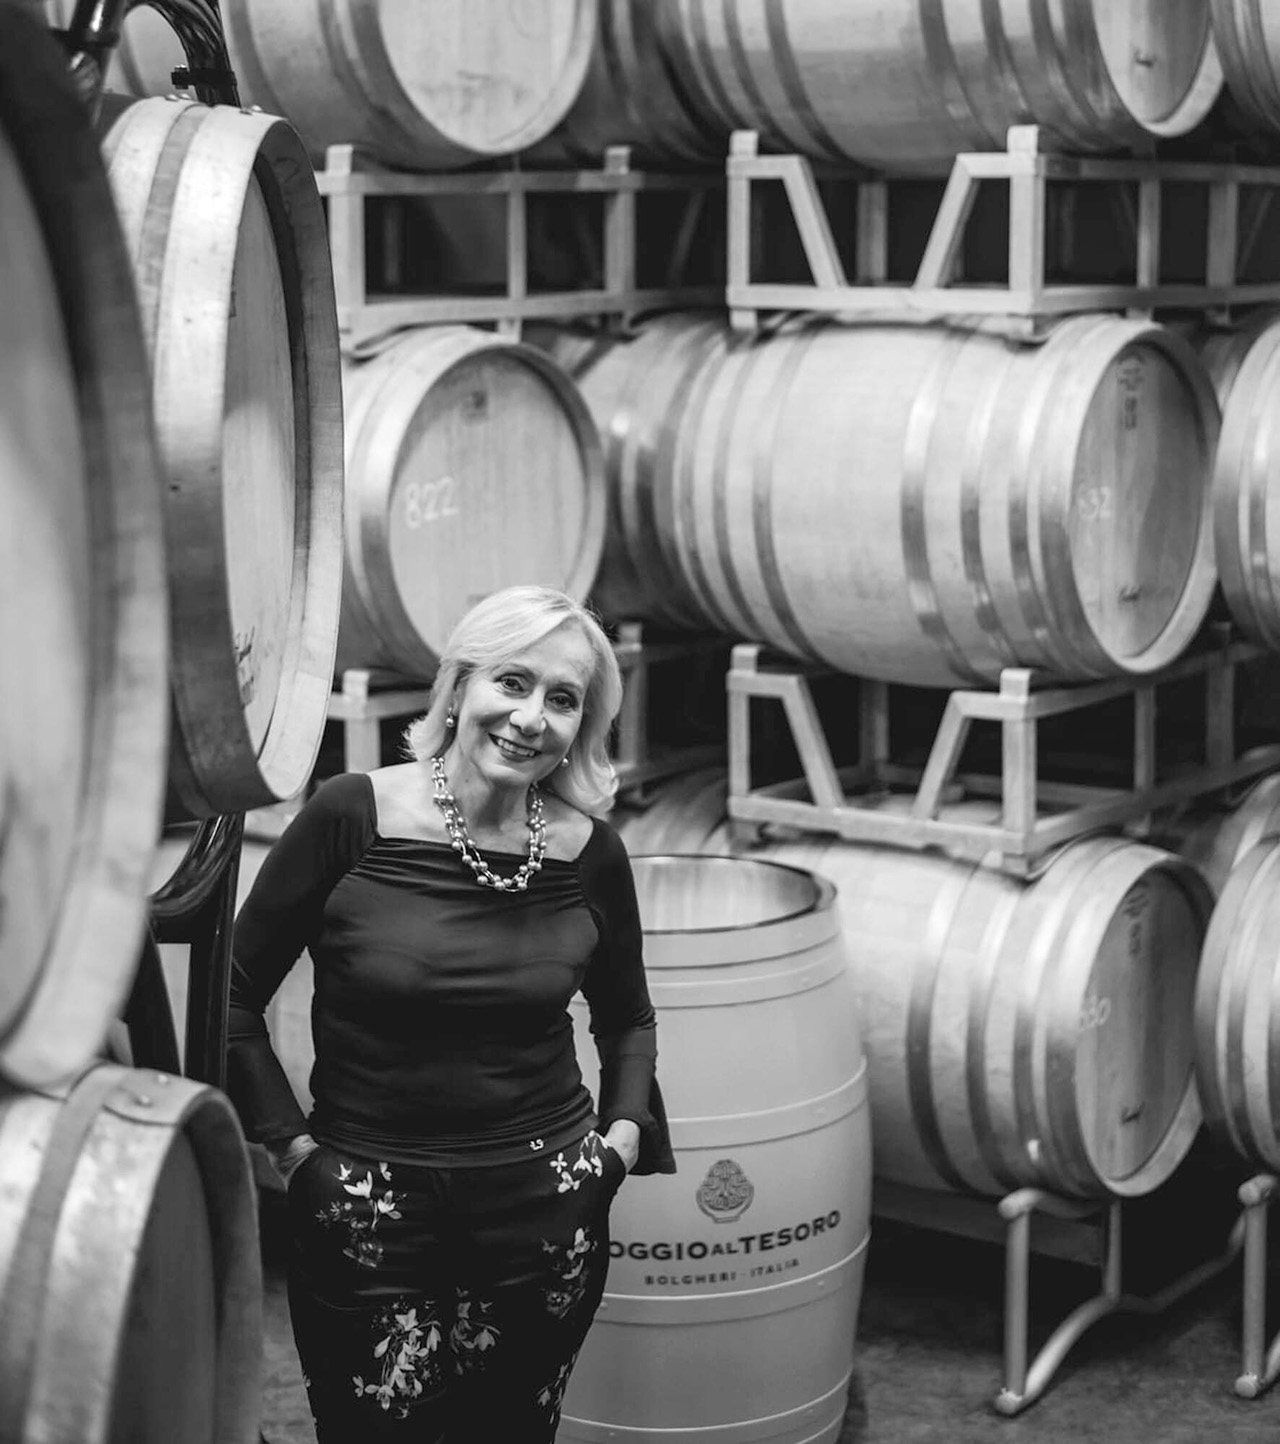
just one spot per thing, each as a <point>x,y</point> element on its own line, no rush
<point>983,505</point>
<point>119,1187</point>
<point>472,464</point>
<point>765,1082</point>
<point>481,81</point>
<point>83,612</point>
<point>226,230</point>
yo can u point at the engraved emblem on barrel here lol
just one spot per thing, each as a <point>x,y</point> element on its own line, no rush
<point>726,1192</point>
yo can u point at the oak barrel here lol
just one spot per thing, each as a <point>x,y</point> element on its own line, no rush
<point>83,626</point>
<point>1237,1017</point>
<point>903,86</point>
<point>1236,845</point>
<point>632,95</point>
<point>1216,834</point>
<point>1245,366</point>
<point>688,815</point>
<point>1248,41</point>
<point>226,230</point>
<point>472,464</point>
<point>637,390</point>
<point>930,505</point>
<point>1017,1034</point>
<point>470,81</point>
<point>130,1282</point>
<point>732,1299</point>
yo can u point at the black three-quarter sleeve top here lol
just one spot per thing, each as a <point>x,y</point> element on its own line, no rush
<point>440,1015</point>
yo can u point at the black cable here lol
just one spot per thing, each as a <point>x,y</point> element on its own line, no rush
<point>94,32</point>
<point>198,26</point>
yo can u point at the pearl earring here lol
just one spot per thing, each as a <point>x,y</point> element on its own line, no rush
<point>450,719</point>
<point>564,762</point>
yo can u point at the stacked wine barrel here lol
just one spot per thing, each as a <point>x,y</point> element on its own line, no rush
<point>1236,845</point>
<point>1018,1033</point>
<point>921,504</point>
<point>898,86</point>
<point>171,439</point>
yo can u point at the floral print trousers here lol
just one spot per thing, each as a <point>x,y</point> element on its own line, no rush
<point>437,1305</point>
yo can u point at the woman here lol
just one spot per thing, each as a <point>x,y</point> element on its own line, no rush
<point>449,1195</point>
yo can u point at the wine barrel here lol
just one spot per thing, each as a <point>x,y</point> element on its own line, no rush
<point>476,80</point>
<point>1215,835</point>
<point>632,95</point>
<point>1247,33</point>
<point>687,816</point>
<point>637,390</point>
<point>130,1282</point>
<point>930,506</point>
<point>1245,367</point>
<point>1237,1020</point>
<point>145,56</point>
<point>226,230</point>
<point>903,86</point>
<point>732,1299</point>
<point>1017,1034</point>
<point>472,464</point>
<point>83,613</point>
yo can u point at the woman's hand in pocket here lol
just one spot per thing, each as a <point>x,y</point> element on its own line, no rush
<point>289,1154</point>
<point>624,1138</point>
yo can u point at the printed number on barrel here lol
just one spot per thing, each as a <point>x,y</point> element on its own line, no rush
<point>1094,503</point>
<point>1095,1011</point>
<point>428,501</point>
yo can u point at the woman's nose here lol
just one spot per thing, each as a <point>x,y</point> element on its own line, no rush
<point>527,717</point>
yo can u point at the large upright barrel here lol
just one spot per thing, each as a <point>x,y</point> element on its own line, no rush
<point>929,505</point>
<point>903,86</point>
<point>226,229</point>
<point>733,1291</point>
<point>472,464</point>
<point>130,1283</point>
<point>1245,366</point>
<point>83,612</point>
<point>447,85</point>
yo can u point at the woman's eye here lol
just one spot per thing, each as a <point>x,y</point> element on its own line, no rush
<point>509,683</point>
<point>565,700</point>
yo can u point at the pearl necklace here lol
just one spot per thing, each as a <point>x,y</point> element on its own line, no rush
<point>460,838</point>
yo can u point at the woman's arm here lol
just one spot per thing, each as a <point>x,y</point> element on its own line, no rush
<point>280,916</point>
<point>623,1023</point>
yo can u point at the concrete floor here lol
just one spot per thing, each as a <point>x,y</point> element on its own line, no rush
<point>930,1345</point>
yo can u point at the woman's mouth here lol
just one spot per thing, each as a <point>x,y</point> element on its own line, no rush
<point>513,750</point>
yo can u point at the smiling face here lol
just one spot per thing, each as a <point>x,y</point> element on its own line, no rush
<point>517,719</point>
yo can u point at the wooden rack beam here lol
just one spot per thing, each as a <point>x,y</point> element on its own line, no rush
<point>1036,815</point>
<point>350,177</point>
<point>1028,298</point>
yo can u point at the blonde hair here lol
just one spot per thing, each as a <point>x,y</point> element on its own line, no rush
<point>494,631</point>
